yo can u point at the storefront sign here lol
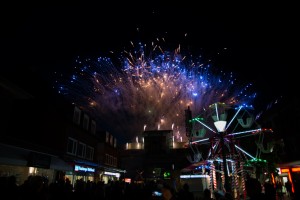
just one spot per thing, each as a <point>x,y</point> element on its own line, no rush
<point>84,169</point>
<point>112,174</point>
<point>194,176</point>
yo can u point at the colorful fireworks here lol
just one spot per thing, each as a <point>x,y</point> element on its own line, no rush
<point>149,89</point>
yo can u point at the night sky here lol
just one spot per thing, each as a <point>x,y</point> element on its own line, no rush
<point>255,43</point>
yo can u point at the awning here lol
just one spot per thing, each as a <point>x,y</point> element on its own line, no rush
<point>84,162</point>
<point>112,169</point>
<point>289,164</point>
<point>11,155</point>
<point>194,165</point>
<point>59,164</point>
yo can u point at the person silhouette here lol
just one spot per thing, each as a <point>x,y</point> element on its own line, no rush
<point>288,187</point>
<point>185,193</point>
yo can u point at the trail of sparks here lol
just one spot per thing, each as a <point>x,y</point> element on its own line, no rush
<point>150,90</point>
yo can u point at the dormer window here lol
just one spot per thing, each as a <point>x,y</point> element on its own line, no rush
<point>107,137</point>
<point>93,127</point>
<point>76,116</point>
<point>86,121</point>
<point>115,142</point>
<point>111,141</point>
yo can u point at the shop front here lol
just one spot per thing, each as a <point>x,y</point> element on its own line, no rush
<point>81,172</point>
<point>107,174</point>
<point>22,163</point>
<point>290,172</point>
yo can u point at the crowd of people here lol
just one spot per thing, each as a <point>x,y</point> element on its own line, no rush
<point>38,188</point>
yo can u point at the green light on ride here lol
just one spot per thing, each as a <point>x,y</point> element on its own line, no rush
<point>167,175</point>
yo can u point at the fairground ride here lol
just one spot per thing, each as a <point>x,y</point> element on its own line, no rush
<point>223,128</point>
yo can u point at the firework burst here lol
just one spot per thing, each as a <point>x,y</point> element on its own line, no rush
<point>149,89</point>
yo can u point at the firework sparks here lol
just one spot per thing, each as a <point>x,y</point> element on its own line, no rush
<point>149,89</point>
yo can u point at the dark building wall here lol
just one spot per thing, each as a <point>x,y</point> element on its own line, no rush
<point>39,122</point>
<point>133,162</point>
<point>32,123</point>
<point>156,158</point>
<point>107,150</point>
<point>284,118</point>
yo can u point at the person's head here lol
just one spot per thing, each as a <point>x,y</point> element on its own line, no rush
<point>253,187</point>
<point>217,195</point>
<point>206,193</point>
<point>186,187</point>
<point>12,179</point>
<point>228,196</point>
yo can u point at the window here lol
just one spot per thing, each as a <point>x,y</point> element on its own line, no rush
<point>76,116</point>
<point>107,137</point>
<point>93,127</point>
<point>89,152</point>
<point>115,142</point>
<point>81,150</point>
<point>110,160</point>
<point>106,159</point>
<point>115,162</point>
<point>72,146</point>
<point>86,122</point>
<point>111,140</point>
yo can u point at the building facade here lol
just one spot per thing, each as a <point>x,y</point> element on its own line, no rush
<point>51,138</point>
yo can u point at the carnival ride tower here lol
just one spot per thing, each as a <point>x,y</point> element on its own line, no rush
<point>222,127</point>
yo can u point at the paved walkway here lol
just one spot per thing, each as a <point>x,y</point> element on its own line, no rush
<point>283,197</point>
